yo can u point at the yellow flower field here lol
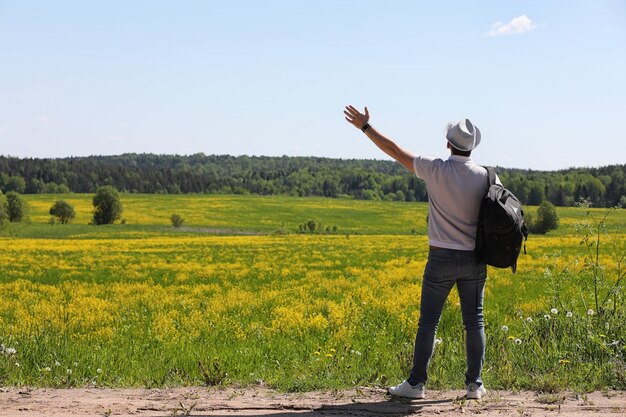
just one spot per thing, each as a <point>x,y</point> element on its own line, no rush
<point>298,310</point>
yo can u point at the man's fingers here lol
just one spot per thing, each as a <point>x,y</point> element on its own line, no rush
<point>350,110</point>
<point>352,114</point>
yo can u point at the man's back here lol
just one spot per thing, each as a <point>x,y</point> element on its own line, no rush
<point>455,188</point>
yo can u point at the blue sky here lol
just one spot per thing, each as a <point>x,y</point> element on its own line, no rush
<point>545,81</point>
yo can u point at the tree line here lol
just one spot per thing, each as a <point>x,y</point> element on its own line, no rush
<point>295,176</point>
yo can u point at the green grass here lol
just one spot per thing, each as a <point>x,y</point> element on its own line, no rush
<point>150,213</point>
<point>250,213</point>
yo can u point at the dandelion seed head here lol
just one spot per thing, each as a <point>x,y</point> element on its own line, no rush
<point>10,351</point>
<point>47,369</point>
<point>590,312</point>
<point>57,363</point>
<point>69,371</point>
<point>505,328</point>
<point>99,370</point>
<point>518,341</point>
<point>17,364</point>
<point>529,319</point>
<point>554,311</point>
<point>547,316</point>
<point>569,314</point>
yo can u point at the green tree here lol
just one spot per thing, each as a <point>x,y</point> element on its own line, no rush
<point>4,209</point>
<point>34,186</point>
<point>51,188</point>
<point>15,183</point>
<point>536,195</point>
<point>107,205</point>
<point>16,207</point>
<point>594,190</point>
<point>63,210</point>
<point>547,219</point>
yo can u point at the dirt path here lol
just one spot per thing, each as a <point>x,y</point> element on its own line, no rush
<point>259,401</point>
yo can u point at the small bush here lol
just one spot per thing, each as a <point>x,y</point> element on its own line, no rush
<point>63,211</point>
<point>177,220</point>
<point>315,227</point>
<point>107,205</point>
<point>547,219</point>
<point>16,207</point>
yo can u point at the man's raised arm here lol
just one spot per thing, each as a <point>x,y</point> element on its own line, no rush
<point>360,121</point>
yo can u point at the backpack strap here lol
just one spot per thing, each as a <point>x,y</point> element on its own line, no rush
<point>491,176</point>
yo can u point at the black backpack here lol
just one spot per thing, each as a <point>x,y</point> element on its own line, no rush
<point>501,229</point>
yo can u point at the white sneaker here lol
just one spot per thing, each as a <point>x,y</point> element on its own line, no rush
<point>408,391</point>
<point>475,391</point>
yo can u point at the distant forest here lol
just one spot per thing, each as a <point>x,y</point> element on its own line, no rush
<point>295,176</point>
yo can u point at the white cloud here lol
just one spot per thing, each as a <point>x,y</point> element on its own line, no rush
<point>43,119</point>
<point>4,129</point>
<point>517,26</point>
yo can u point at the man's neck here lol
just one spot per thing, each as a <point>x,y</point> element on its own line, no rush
<point>454,157</point>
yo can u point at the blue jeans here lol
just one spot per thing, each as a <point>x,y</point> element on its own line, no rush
<point>445,268</point>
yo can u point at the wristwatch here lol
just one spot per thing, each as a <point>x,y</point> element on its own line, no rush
<point>365,127</point>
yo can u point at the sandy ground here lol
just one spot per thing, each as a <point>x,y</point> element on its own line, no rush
<point>260,401</point>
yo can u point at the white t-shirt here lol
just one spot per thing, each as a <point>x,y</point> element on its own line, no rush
<point>455,189</point>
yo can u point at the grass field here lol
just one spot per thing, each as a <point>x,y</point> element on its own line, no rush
<point>237,296</point>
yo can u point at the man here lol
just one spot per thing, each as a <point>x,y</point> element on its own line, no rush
<point>455,189</point>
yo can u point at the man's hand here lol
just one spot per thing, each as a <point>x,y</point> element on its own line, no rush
<point>355,117</point>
